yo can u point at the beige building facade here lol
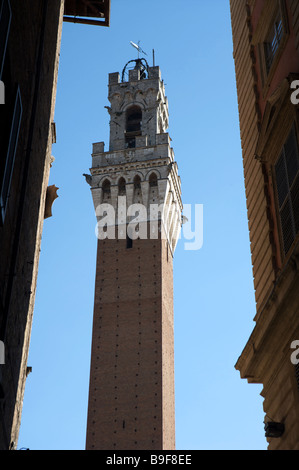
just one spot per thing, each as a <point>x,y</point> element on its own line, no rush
<point>266,54</point>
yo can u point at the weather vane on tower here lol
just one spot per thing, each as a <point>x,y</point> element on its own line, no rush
<point>140,62</point>
<point>138,48</point>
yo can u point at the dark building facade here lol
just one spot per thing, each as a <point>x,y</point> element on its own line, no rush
<point>266,54</point>
<point>30,36</point>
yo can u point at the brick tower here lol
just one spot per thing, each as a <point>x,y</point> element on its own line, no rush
<point>136,193</point>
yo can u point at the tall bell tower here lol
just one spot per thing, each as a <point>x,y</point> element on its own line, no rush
<point>137,198</point>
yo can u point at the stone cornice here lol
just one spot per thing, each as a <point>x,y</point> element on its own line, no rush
<point>261,343</point>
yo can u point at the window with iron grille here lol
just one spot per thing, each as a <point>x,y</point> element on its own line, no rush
<point>287,185</point>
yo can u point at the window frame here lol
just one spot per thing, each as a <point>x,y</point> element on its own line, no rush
<point>272,11</point>
<point>271,46</point>
<point>287,201</point>
<point>279,117</point>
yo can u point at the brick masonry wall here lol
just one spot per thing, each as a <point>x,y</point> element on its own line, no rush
<point>132,348</point>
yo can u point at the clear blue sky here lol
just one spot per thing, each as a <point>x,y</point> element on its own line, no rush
<point>214,293</point>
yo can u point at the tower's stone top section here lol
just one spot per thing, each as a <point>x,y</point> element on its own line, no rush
<point>138,108</point>
<point>140,162</point>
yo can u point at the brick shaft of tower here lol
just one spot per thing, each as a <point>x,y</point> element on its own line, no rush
<point>137,198</point>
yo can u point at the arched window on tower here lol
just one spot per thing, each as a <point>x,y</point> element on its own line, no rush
<point>106,188</point>
<point>153,181</point>
<point>137,182</point>
<point>133,125</point>
<point>153,184</point>
<point>137,197</point>
<point>122,187</point>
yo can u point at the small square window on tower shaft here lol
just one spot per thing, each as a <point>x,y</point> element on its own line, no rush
<point>129,242</point>
<point>297,374</point>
